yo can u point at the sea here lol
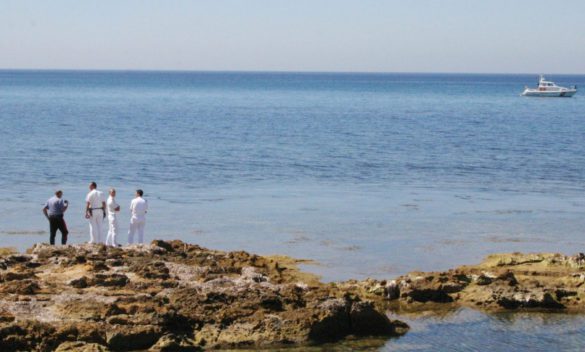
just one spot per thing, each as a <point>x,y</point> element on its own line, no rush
<point>363,174</point>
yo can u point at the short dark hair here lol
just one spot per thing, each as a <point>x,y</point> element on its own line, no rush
<point>139,192</point>
<point>58,191</point>
<point>94,184</point>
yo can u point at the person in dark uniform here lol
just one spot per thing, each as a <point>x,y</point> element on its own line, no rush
<point>54,210</point>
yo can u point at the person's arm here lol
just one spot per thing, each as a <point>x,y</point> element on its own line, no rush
<point>65,205</point>
<point>113,205</point>
<point>87,210</point>
<point>104,208</point>
<point>145,206</point>
<point>46,211</point>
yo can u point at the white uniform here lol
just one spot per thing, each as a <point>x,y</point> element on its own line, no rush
<point>111,205</point>
<point>96,220</point>
<point>138,208</point>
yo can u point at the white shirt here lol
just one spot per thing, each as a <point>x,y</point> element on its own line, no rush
<point>95,199</point>
<point>111,205</point>
<point>138,207</point>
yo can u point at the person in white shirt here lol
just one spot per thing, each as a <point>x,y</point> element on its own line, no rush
<point>95,207</point>
<point>112,208</point>
<point>138,209</point>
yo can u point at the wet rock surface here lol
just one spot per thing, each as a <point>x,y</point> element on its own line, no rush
<point>173,296</point>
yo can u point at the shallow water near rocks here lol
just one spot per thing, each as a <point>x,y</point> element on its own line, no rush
<point>470,330</point>
<point>369,175</point>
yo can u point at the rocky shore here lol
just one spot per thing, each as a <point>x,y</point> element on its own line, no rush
<point>171,296</point>
<point>502,282</point>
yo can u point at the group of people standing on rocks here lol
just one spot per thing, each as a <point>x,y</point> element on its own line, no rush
<point>97,208</point>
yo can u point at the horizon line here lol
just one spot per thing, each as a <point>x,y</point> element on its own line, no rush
<point>277,71</point>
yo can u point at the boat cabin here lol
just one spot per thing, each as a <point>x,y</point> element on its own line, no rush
<point>545,85</point>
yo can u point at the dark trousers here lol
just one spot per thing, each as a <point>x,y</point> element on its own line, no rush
<point>57,222</point>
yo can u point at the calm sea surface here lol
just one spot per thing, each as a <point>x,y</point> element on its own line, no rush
<point>370,175</point>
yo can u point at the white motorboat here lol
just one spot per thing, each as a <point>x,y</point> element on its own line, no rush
<point>549,89</point>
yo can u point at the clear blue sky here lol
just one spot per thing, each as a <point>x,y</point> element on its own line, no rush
<point>504,36</point>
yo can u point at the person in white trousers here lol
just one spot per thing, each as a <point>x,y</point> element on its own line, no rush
<point>95,207</point>
<point>112,208</point>
<point>138,209</point>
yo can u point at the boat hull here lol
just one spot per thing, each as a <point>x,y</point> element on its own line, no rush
<point>551,94</point>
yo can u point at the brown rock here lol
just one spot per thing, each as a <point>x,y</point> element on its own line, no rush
<point>22,287</point>
<point>109,280</point>
<point>173,343</point>
<point>133,337</point>
<point>159,296</point>
<point>82,282</point>
<point>366,320</point>
<point>503,282</point>
<point>80,346</point>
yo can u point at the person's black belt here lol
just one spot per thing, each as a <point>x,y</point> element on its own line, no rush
<point>56,216</point>
<point>92,209</point>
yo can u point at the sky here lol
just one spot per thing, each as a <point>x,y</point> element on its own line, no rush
<point>477,36</point>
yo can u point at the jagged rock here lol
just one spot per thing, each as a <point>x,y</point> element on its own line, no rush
<point>176,296</point>
<point>80,346</point>
<point>133,337</point>
<point>431,288</point>
<point>12,276</point>
<point>6,317</point>
<point>508,278</point>
<point>366,320</point>
<point>484,280</point>
<point>82,282</point>
<point>392,290</point>
<point>502,282</point>
<point>119,319</point>
<point>172,296</point>
<point>173,343</point>
<point>113,262</point>
<point>164,245</point>
<point>28,336</point>
<point>533,299</point>
<point>107,280</point>
<point>22,287</point>
<point>333,321</point>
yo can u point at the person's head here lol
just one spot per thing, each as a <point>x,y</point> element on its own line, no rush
<point>59,193</point>
<point>92,186</point>
<point>139,193</point>
<point>112,192</point>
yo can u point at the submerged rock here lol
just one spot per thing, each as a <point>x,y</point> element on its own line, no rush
<point>172,296</point>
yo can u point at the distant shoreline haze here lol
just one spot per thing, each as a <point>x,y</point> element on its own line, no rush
<point>427,36</point>
<point>122,70</point>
